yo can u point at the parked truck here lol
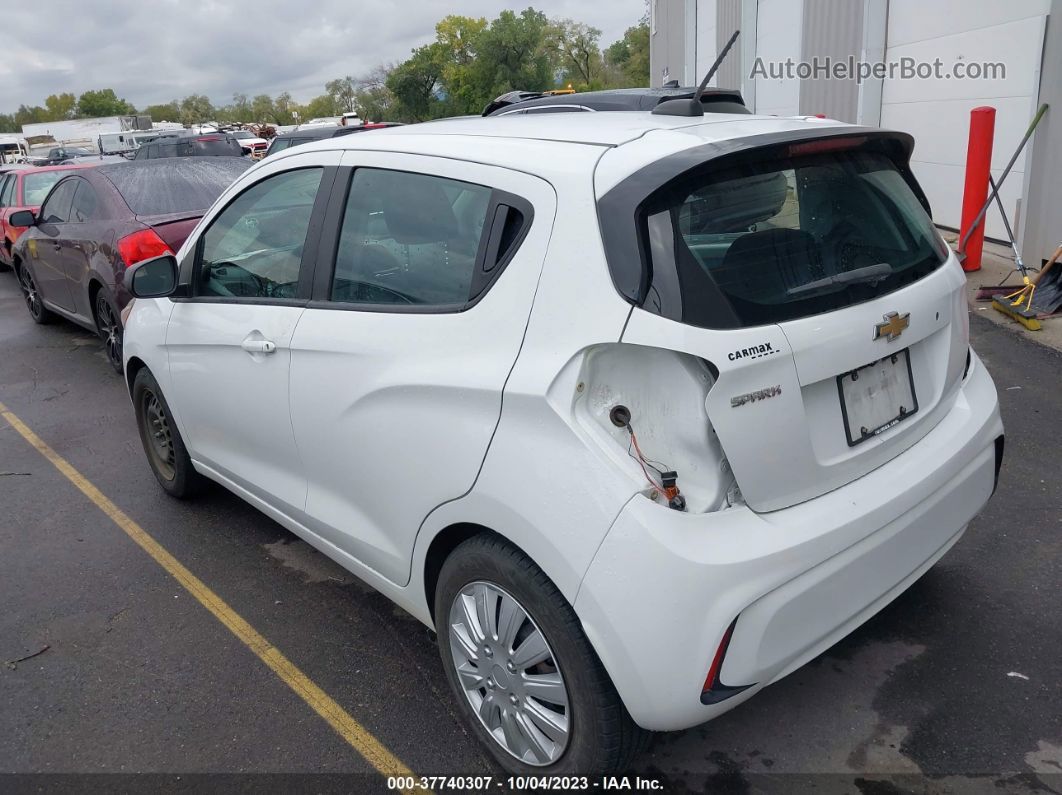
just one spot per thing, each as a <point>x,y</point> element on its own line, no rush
<point>12,149</point>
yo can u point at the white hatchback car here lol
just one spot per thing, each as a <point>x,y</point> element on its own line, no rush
<point>639,412</point>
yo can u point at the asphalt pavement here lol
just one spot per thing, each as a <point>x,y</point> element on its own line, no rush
<point>109,666</point>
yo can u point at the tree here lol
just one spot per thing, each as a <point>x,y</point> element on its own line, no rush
<point>28,115</point>
<point>459,39</point>
<point>413,82</point>
<point>171,111</point>
<point>196,108</point>
<point>631,54</point>
<point>342,92</point>
<point>318,107</point>
<point>515,53</point>
<point>579,53</point>
<point>374,100</point>
<point>241,108</point>
<point>282,108</point>
<point>94,104</point>
<point>7,123</point>
<point>60,106</point>
<point>262,108</point>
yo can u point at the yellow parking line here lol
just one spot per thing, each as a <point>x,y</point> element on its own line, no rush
<point>359,738</point>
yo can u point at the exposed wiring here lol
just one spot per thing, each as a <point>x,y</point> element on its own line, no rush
<point>643,462</point>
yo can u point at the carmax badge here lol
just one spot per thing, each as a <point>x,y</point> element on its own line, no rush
<point>759,394</point>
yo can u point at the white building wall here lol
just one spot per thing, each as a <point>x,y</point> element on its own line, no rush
<point>937,112</point>
<point>707,16</point>
<point>779,26</point>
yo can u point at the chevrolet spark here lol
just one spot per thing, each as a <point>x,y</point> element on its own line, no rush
<point>640,413</point>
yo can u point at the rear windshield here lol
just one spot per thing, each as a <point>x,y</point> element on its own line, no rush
<point>161,187</point>
<point>220,146</point>
<point>775,240</point>
<point>36,186</point>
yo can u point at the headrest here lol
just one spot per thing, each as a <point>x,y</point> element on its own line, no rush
<point>416,209</point>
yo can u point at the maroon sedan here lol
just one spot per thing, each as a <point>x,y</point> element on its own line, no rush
<point>97,222</point>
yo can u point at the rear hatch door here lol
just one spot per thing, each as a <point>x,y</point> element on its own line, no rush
<point>815,284</point>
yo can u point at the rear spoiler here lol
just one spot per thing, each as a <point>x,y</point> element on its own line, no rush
<point>169,218</point>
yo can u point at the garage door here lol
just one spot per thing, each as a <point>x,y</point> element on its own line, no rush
<point>937,112</point>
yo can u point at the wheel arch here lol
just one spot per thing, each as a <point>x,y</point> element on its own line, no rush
<point>444,543</point>
<point>132,368</point>
<point>94,287</point>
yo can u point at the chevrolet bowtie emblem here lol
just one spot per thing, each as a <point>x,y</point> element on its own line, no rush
<point>893,326</point>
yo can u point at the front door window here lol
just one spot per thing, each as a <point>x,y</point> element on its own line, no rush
<point>254,247</point>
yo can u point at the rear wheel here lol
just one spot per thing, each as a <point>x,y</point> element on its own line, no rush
<point>32,297</point>
<point>522,671</point>
<point>165,449</point>
<point>110,330</point>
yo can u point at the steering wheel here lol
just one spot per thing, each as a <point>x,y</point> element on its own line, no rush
<point>217,285</point>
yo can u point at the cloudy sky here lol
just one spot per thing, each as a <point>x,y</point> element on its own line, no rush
<point>152,51</point>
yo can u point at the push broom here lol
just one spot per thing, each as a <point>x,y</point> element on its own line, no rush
<point>1037,299</point>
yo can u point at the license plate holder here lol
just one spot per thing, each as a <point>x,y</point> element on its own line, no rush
<point>877,396</point>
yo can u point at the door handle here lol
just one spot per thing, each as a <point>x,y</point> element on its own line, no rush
<point>259,346</point>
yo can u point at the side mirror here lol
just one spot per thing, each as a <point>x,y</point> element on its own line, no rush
<point>22,218</point>
<point>152,278</point>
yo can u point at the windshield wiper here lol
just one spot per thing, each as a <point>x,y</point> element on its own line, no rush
<point>868,274</point>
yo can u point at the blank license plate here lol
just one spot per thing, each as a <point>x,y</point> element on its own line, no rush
<point>877,396</point>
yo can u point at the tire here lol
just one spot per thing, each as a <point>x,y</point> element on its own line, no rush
<point>592,734</point>
<point>32,296</point>
<point>109,327</point>
<point>166,454</point>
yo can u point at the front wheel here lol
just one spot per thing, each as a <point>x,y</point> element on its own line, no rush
<point>524,674</point>
<point>166,453</point>
<point>32,296</point>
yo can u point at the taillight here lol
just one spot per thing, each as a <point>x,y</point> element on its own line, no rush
<point>712,680</point>
<point>715,691</point>
<point>140,246</point>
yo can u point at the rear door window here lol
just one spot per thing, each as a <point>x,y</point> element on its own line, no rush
<point>85,204</point>
<point>778,239</point>
<point>7,183</point>
<point>56,209</point>
<point>409,239</point>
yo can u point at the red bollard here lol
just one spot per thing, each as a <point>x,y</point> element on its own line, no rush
<point>974,194</point>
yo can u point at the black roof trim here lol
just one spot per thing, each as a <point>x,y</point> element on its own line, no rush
<point>620,99</point>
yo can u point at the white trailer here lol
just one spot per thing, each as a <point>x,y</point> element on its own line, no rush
<point>85,129</point>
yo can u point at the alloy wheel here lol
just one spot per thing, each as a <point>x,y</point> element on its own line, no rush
<point>110,331</point>
<point>159,435</point>
<point>30,292</point>
<point>509,674</point>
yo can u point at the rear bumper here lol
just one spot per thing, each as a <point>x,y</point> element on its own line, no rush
<point>665,586</point>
